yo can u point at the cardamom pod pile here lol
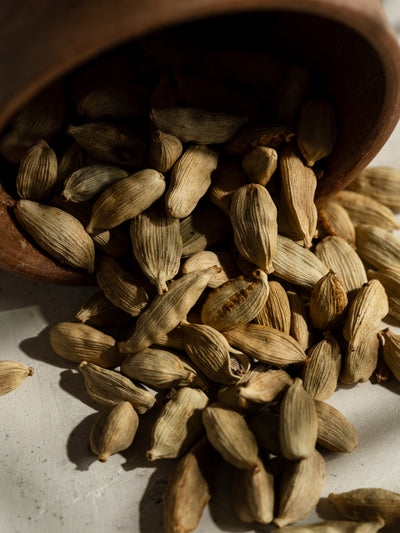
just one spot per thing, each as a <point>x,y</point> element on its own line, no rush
<point>185,182</point>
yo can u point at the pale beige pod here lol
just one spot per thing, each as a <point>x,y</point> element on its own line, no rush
<point>365,210</point>
<point>316,130</point>
<point>189,489</point>
<point>276,311</point>
<point>236,302</point>
<point>298,423</point>
<point>296,264</point>
<point>228,432</point>
<point>390,279</point>
<point>161,369</point>
<point>210,352</point>
<point>226,178</point>
<point>253,494</point>
<point>164,151</point>
<point>190,179</point>
<point>192,124</point>
<point>125,199</point>
<point>262,386</point>
<point>298,183</point>
<point>335,432</point>
<point>380,183</point>
<point>80,342</point>
<point>321,373</point>
<point>179,424</point>
<point>260,164</point>
<point>88,181</point>
<point>157,245</point>
<point>253,217</point>
<point>37,173</point>
<point>336,526</point>
<point>266,344</point>
<point>120,286</point>
<point>333,219</point>
<point>368,504</point>
<point>391,351</point>
<point>378,246</point>
<point>300,488</point>
<point>12,374</point>
<point>205,259</point>
<point>328,302</point>
<point>300,327</point>
<point>109,387</point>
<point>57,232</point>
<point>167,310</point>
<point>114,430</point>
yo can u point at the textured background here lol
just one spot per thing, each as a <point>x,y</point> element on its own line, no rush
<point>49,480</point>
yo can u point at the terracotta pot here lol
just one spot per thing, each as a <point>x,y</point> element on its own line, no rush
<point>351,41</point>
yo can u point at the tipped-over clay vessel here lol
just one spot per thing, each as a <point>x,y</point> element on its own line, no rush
<point>351,41</point>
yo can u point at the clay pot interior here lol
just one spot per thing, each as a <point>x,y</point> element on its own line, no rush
<point>344,68</point>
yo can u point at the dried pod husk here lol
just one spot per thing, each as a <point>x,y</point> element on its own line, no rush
<point>114,430</point>
<point>299,183</point>
<point>172,339</point>
<point>167,310</point>
<point>229,434</point>
<point>290,94</point>
<point>126,199</point>
<point>336,526</point>
<point>179,424</point>
<point>226,178</point>
<point>102,313</point>
<point>270,134</point>
<point>236,302</point>
<point>262,386</point>
<point>202,229</point>
<point>57,232</point>
<point>339,256</point>
<point>316,130</point>
<point>377,246</point>
<point>390,279</point>
<point>321,373</point>
<point>300,328</point>
<point>368,504</point>
<point>259,69</point>
<point>193,124</point>
<point>260,164</point>
<point>210,352</point>
<point>41,118</point>
<point>190,179</point>
<point>298,423</point>
<point>205,259</point>
<point>365,210</point>
<point>120,286</point>
<point>157,245</point>
<point>276,311</point>
<point>381,183</point>
<point>296,264</point>
<point>37,173</point>
<point>253,217</point>
<point>88,181</point>
<point>328,302</point>
<point>361,330</point>
<point>253,494</point>
<point>335,432</point>
<point>115,100</point>
<point>164,151</point>
<point>73,158</point>
<point>300,488</point>
<point>189,489</point>
<point>113,242</point>
<point>109,387</point>
<point>265,426</point>
<point>109,142</point>
<point>266,344</point>
<point>391,351</point>
<point>333,219</point>
<point>12,374</point>
<point>161,369</point>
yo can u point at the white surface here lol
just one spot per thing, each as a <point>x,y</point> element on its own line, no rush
<point>49,480</point>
